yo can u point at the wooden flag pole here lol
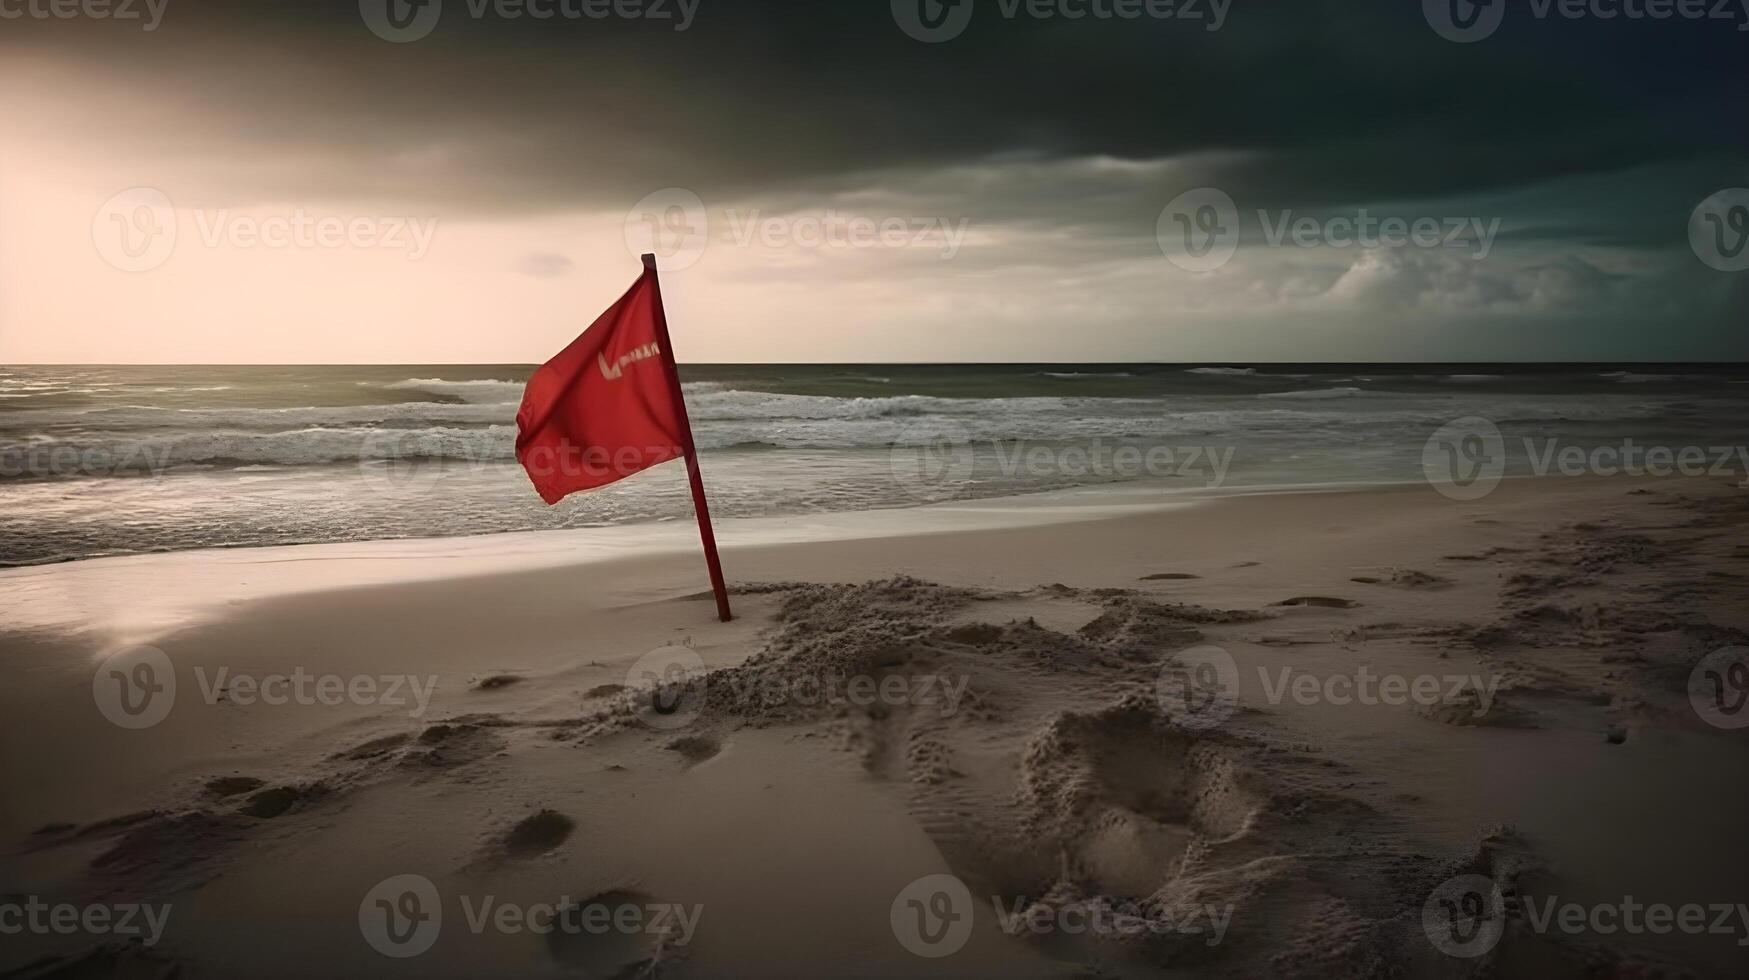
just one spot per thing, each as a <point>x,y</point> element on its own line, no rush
<point>699,506</point>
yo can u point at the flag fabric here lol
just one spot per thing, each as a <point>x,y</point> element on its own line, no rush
<point>608,405</point>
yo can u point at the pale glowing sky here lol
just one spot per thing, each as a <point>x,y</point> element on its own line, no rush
<point>521,156</point>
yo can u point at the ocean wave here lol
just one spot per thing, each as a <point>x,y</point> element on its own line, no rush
<point>1314,394</point>
<point>307,447</point>
<point>138,418</point>
<point>737,404</point>
<point>1223,371</point>
<point>485,391</point>
<point>1085,374</point>
<point>1631,378</point>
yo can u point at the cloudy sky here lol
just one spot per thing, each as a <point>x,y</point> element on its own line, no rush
<point>874,180</point>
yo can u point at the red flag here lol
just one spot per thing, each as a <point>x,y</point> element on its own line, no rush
<point>607,406</point>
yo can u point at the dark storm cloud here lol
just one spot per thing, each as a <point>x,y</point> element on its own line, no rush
<point>1305,104</point>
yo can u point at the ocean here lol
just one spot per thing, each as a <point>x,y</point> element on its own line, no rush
<point>120,460</point>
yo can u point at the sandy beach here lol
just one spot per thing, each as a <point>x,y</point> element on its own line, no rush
<point>1242,735</point>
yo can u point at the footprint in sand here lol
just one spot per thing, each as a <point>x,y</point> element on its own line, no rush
<point>579,943</point>
<point>695,748</point>
<point>1408,578</point>
<point>1320,601</point>
<point>537,834</point>
<point>270,803</point>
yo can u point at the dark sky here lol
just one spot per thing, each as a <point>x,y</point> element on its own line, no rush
<point>1589,141</point>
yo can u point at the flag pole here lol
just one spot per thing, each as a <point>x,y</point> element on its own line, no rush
<point>699,506</point>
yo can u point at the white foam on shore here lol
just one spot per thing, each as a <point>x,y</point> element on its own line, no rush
<point>137,598</point>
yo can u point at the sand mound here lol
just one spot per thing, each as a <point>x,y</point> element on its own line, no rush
<point>170,853</point>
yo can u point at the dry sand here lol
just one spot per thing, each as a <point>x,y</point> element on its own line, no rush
<point>1148,739</point>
